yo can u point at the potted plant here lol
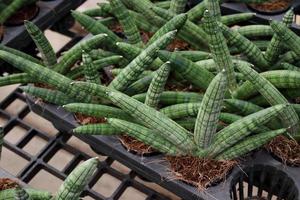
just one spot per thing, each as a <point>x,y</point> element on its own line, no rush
<point>169,128</point>
<point>71,188</point>
<point>14,12</point>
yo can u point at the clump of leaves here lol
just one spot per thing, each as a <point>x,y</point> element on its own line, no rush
<point>71,188</point>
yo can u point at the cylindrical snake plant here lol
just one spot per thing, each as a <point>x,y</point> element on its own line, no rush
<point>71,188</point>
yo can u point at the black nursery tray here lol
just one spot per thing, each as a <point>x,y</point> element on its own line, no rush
<point>14,115</point>
<point>155,169</point>
<point>49,13</point>
<point>230,8</point>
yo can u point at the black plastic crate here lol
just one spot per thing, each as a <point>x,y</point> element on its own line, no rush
<point>53,144</point>
<point>49,13</point>
<point>154,168</point>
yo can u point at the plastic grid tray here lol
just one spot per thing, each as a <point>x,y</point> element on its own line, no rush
<point>40,161</point>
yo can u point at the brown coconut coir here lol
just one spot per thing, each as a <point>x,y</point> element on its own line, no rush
<point>200,172</point>
<point>288,150</point>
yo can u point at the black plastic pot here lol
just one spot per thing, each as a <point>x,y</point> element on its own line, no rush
<point>49,13</point>
<point>157,170</point>
<point>274,12</point>
<point>230,8</point>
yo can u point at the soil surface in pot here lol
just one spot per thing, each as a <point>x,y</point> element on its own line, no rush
<point>84,119</point>
<point>6,183</point>
<point>286,149</point>
<point>26,13</point>
<point>136,146</point>
<point>272,6</point>
<point>200,172</point>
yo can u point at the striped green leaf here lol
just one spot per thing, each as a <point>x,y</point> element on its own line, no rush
<point>234,19</point>
<point>45,75</point>
<point>74,54</point>
<point>96,110</point>
<point>219,48</point>
<point>42,43</point>
<point>16,79</point>
<point>213,6</point>
<point>290,39</point>
<point>190,71</point>
<point>175,23</point>
<point>77,180</point>
<point>190,32</point>
<point>50,96</point>
<point>249,49</point>
<point>177,6</point>
<point>97,65</point>
<point>240,129</point>
<point>275,47</point>
<point>145,135</point>
<point>173,97</point>
<point>140,63</point>
<point>288,116</point>
<point>14,194</point>
<point>248,144</point>
<point>140,85</point>
<point>209,111</point>
<point>90,72</point>
<point>154,120</point>
<point>127,22</point>
<point>157,85</point>
<point>281,79</point>
<point>97,129</point>
<point>257,30</point>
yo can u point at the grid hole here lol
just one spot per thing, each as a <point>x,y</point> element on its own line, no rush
<point>11,162</point>
<point>15,107</point>
<point>158,188</point>
<point>40,123</point>
<point>120,167</point>
<point>6,90</point>
<point>132,194</point>
<point>106,185</point>
<point>15,134</point>
<point>61,159</point>
<point>84,147</point>
<point>57,44</point>
<point>47,180</point>
<point>3,121</point>
<point>35,145</point>
<point>88,198</point>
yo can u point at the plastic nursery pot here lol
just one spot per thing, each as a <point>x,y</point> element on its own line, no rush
<point>136,147</point>
<point>266,178</point>
<point>272,7</point>
<point>49,12</point>
<point>28,12</point>
<point>262,182</point>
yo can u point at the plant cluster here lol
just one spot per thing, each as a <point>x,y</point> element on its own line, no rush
<point>236,91</point>
<point>71,188</point>
<point>10,7</point>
